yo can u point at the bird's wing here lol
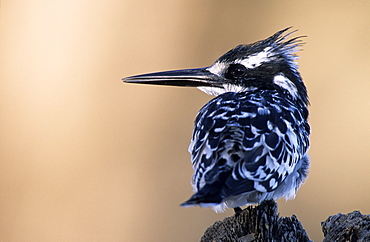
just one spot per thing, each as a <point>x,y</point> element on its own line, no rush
<point>246,145</point>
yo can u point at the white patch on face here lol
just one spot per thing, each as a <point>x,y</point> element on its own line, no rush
<point>256,60</point>
<point>217,68</point>
<point>215,91</point>
<point>286,84</point>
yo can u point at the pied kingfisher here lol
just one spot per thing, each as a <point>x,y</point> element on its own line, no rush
<point>250,142</point>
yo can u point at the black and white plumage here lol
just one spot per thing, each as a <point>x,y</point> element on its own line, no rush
<point>249,143</point>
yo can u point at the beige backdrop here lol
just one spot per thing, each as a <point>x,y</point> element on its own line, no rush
<point>84,157</point>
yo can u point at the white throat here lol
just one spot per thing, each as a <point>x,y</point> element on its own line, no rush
<point>215,91</point>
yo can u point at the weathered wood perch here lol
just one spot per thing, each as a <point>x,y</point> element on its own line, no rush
<point>263,223</point>
<point>347,227</point>
<point>259,223</point>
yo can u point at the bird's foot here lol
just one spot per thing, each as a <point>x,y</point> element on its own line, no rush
<point>238,210</point>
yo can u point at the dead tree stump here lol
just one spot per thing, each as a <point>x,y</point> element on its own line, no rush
<point>347,227</point>
<point>259,223</point>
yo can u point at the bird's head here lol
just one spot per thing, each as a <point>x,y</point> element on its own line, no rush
<point>265,64</point>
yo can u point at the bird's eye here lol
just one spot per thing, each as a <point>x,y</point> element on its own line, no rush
<point>237,70</point>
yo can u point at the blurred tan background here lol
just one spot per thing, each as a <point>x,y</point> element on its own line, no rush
<point>85,157</point>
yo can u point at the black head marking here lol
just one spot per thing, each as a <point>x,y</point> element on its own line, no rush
<point>266,64</point>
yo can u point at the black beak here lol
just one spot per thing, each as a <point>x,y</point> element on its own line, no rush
<point>199,77</point>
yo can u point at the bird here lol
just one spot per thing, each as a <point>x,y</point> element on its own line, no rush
<point>250,142</point>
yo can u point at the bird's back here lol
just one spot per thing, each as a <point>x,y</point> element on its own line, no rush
<point>245,146</point>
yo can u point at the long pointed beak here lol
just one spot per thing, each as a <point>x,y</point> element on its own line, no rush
<point>188,77</point>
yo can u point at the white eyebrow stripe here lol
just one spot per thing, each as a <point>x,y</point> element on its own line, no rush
<point>256,60</point>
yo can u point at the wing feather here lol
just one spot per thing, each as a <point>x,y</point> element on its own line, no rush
<point>244,144</point>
